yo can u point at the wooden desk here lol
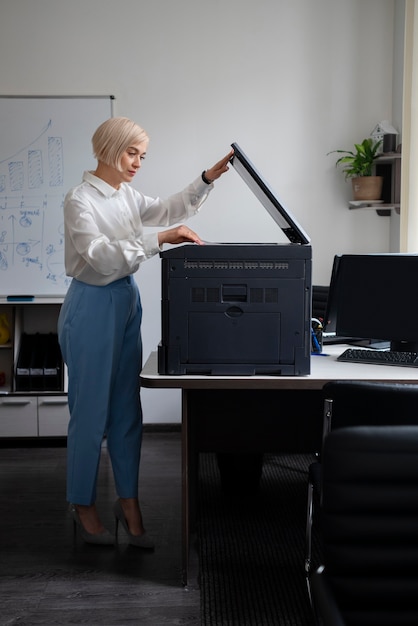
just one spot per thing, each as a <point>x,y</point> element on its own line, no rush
<point>202,405</point>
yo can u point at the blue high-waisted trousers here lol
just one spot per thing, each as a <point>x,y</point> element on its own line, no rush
<point>99,331</point>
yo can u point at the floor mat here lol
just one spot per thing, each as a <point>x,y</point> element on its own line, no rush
<point>251,545</point>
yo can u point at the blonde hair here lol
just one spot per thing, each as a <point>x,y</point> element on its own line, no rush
<point>112,138</point>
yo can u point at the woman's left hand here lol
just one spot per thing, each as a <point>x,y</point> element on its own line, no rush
<point>219,168</point>
<point>178,234</point>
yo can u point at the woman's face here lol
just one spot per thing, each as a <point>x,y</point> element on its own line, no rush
<point>131,161</point>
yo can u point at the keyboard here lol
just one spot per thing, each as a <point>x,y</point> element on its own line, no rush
<point>379,357</point>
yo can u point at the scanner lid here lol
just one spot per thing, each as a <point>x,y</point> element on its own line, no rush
<point>264,194</point>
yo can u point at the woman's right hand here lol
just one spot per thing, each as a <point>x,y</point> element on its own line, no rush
<point>179,234</point>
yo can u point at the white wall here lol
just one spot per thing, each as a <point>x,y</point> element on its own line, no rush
<point>288,81</point>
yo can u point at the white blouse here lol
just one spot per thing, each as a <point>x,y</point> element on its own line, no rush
<point>104,238</point>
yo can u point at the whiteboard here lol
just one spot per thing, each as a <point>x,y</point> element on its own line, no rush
<point>44,149</point>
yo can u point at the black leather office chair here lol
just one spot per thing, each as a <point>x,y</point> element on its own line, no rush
<point>369,527</point>
<point>319,301</point>
<point>351,403</point>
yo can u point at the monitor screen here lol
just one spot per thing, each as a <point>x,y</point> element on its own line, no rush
<point>293,231</point>
<point>376,298</point>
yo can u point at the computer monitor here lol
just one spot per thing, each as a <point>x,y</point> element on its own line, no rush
<point>330,317</point>
<point>376,298</point>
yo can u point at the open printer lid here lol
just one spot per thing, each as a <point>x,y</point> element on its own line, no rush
<point>293,231</point>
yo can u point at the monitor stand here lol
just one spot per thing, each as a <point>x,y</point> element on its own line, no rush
<point>371,344</point>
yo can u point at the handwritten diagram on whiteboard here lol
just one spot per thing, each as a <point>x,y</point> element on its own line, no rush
<point>45,147</point>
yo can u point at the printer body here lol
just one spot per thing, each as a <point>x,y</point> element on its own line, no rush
<point>238,309</point>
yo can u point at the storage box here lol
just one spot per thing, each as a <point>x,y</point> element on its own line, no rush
<point>39,365</point>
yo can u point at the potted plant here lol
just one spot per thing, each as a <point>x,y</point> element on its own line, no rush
<point>358,165</point>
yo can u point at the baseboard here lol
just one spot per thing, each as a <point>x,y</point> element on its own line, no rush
<point>151,427</point>
<point>61,442</point>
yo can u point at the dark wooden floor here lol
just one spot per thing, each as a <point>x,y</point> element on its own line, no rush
<point>48,578</point>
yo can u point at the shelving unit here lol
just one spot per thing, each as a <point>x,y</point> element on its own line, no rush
<point>389,166</point>
<point>39,413</point>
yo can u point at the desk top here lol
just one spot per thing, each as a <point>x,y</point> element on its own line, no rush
<point>324,368</point>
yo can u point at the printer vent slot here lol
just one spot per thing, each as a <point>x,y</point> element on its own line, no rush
<point>256,294</point>
<point>202,294</point>
<point>212,294</point>
<point>272,295</point>
<point>198,294</point>
<point>269,295</point>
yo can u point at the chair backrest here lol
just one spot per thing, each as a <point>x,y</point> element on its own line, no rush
<point>352,403</point>
<point>319,301</point>
<point>369,523</point>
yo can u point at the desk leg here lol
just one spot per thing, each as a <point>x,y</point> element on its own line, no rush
<point>185,496</point>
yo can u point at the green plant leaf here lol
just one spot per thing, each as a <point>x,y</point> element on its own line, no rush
<point>359,162</point>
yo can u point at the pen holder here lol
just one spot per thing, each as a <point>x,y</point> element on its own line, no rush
<point>316,336</point>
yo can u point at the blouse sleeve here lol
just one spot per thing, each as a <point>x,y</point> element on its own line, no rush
<point>180,206</point>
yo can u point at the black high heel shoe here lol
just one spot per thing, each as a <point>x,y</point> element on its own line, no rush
<point>104,538</point>
<point>139,541</point>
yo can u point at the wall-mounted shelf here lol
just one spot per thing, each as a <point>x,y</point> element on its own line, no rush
<point>381,207</point>
<point>389,166</point>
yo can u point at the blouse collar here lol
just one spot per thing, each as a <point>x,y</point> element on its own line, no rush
<point>107,190</point>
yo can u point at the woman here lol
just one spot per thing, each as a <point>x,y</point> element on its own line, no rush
<point>99,322</point>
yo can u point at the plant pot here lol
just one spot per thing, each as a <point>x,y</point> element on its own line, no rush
<point>367,187</point>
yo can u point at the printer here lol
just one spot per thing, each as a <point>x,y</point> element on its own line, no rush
<point>240,309</point>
